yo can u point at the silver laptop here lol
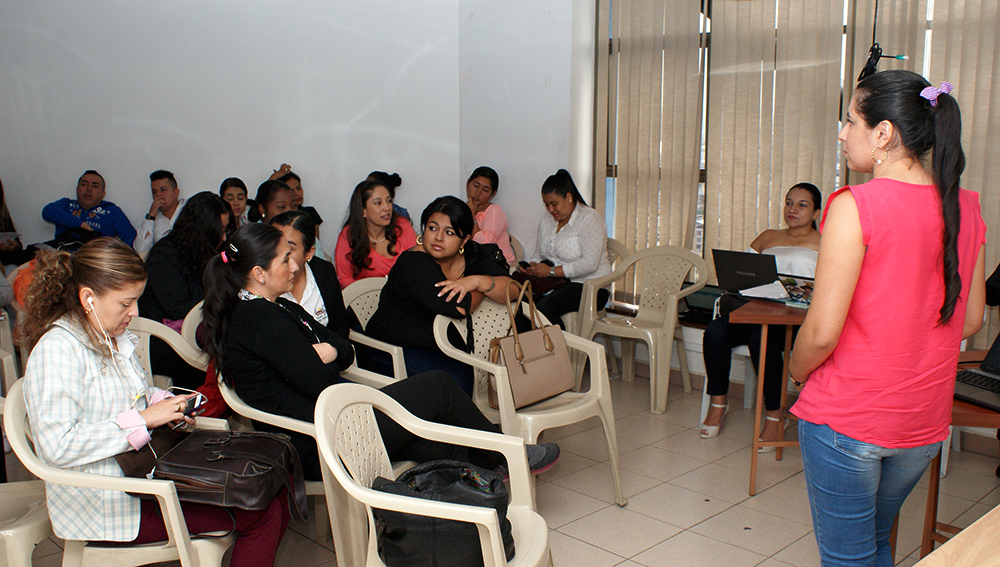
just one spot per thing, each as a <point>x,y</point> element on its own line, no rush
<point>981,386</point>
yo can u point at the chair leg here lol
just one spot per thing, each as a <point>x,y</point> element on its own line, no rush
<point>663,348</point>
<point>18,550</point>
<point>608,418</point>
<point>628,360</point>
<point>683,359</point>
<point>613,369</point>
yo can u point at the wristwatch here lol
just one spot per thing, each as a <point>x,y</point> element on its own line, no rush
<point>552,271</point>
<point>150,217</point>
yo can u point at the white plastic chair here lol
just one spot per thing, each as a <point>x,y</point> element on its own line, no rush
<point>313,488</point>
<point>362,297</point>
<point>190,552</point>
<point>574,319</point>
<point>491,320</point>
<point>518,249</point>
<point>353,455</point>
<point>146,328</point>
<point>8,344</point>
<point>189,328</point>
<point>24,518</point>
<point>663,271</point>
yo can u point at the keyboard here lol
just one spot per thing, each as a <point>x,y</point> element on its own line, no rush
<point>984,382</point>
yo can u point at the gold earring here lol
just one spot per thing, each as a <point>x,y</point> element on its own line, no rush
<point>461,249</point>
<point>885,157</point>
<point>420,240</point>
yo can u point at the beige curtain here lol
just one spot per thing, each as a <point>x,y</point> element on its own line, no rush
<point>774,99</point>
<point>649,96</point>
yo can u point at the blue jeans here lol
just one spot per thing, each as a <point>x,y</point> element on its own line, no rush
<point>855,491</point>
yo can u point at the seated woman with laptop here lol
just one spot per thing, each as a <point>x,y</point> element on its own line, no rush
<point>795,249</point>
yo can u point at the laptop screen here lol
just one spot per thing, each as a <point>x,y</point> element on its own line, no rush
<point>991,363</point>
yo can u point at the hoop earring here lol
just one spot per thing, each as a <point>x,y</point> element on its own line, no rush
<point>885,157</point>
<point>461,249</point>
<point>420,240</point>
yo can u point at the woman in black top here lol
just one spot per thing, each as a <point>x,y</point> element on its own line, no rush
<point>279,359</point>
<point>445,274</point>
<point>175,266</point>
<point>316,287</point>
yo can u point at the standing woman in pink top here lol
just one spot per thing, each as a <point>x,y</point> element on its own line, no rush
<point>895,295</point>
<point>491,222</point>
<point>373,236</point>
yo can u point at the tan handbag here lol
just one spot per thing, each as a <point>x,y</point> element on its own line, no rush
<point>537,361</point>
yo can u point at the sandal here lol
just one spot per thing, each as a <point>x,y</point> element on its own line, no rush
<point>710,431</point>
<point>767,449</point>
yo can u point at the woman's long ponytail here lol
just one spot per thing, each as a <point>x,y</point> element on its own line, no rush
<point>948,164</point>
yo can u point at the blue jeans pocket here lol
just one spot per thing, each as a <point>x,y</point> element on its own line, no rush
<point>855,448</point>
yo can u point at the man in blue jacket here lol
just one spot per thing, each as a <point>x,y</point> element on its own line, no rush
<point>90,211</point>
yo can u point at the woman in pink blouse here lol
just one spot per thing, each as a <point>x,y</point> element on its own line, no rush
<point>373,235</point>
<point>491,222</point>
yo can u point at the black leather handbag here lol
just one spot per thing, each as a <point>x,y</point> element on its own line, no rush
<point>235,469</point>
<point>409,540</point>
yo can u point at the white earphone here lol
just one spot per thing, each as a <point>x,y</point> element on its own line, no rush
<point>90,300</point>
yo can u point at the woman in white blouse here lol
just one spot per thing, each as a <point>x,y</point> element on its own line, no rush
<point>572,243</point>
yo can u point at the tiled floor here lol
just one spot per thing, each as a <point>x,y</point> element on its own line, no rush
<point>688,502</point>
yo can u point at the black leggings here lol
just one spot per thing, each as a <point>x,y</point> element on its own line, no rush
<point>431,396</point>
<point>564,300</point>
<point>721,337</point>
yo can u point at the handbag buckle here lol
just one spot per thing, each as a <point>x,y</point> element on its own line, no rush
<point>216,441</point>
<point>215,456</point>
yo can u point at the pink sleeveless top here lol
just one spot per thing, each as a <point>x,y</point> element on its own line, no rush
<point>891,378</point>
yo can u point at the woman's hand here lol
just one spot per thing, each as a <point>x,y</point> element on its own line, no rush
<point>462,286</point>
<point>167,410</point>
<point>327,352</point>
<point>281,171</point>
<point>538,270</point>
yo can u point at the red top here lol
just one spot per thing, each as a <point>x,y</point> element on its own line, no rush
<point>406,238</point>
<point>891,378</point>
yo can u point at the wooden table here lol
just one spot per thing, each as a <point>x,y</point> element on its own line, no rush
<point>765,313</point>
<point>974,547</point>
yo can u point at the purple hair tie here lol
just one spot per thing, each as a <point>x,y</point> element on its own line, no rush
<point>931,93</point>
<point>225,260</point>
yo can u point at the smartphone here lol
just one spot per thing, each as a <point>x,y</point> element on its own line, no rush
<point>194,405</point>
<point>524,264</point>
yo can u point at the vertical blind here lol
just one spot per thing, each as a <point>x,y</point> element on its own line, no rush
<point>649,82</point>
<point>774,101</point>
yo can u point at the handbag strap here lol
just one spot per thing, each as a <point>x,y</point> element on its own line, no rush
<point>297,486</point>
<point>536,321</point>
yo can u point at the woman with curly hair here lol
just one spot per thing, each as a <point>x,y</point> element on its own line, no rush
<point>175,265</point>
<point>373,236</point>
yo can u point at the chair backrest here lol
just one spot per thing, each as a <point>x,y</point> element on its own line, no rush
<point>146,328</point>
<point>189,328</point>
<point>518,248</point>
<point>362,296</point>
<point>9,370</point>
<point>616,251</point>
<point>13,273</point>
<point>663,270</point>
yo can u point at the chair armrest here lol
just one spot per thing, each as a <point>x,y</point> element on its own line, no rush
<point>211,423</point>
<point>242,408</point>
<point>366,377</point>
<point>398,362</point>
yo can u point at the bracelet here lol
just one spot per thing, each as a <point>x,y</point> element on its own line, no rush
<point>552,271</point>
<point>493,284</point>
<point>796,382</point>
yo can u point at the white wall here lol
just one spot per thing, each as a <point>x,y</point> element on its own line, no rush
<point>427,88</point>
<point>215,89</point>
<point>521,78</point>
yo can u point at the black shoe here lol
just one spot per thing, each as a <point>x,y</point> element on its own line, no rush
<point>541,457</point>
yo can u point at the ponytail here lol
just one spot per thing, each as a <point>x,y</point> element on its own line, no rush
<point>948,165</point>
<point>923,126</point>
<point>225,275</point>
<point>561,183</point>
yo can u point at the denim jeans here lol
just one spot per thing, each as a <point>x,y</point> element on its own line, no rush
<point>855,491</point>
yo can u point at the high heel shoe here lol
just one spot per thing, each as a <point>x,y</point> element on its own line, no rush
<point>710,431</point>
<point>769,449</point>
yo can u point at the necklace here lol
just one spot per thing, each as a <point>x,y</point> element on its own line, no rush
<point>376,241</point>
